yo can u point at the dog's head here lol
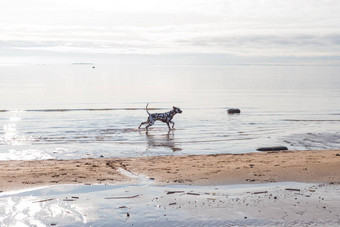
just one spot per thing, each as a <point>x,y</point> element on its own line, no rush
<point>177,110</point>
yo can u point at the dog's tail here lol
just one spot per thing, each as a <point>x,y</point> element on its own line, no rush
<point>146,108</point>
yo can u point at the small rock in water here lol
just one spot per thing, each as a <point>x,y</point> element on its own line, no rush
<point>277,148</point>
<point>234,111</point>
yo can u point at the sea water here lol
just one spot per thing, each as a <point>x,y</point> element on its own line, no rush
<point>83,110</point>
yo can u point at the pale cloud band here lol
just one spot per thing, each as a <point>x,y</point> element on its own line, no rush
<point>239,28</point>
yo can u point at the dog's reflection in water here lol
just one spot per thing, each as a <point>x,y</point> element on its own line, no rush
<point>166,140</point>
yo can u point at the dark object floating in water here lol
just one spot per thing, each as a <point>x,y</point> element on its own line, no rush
<point>234,111</point>
<point>278,148</point>
<point>93,67</point>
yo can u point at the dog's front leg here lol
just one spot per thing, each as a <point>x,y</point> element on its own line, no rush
<point>173,124</point>
<point>168,125</point>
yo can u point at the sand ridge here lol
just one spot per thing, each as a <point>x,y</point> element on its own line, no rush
<point>299,166</point>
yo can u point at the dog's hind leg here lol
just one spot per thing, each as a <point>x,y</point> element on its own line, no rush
<point>151,122</point>
<point>145,122</point>
<point>147,127</point>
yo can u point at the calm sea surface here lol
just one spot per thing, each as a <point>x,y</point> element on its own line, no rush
<point>76,111</point>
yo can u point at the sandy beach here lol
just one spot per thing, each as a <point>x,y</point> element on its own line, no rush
<point>286,188</point>
<point>286,166</point>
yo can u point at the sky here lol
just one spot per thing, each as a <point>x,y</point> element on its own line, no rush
<point>220,31</point>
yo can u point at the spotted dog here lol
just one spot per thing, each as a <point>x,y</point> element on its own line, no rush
<point>163,117</point>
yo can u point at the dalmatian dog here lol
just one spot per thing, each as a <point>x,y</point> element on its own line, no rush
<point>163,117</point>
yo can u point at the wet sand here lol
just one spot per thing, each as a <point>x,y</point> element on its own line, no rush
<point>286,166</point>
<point>145,204</point>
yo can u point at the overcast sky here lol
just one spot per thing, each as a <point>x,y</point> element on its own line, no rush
<point>252,28</point>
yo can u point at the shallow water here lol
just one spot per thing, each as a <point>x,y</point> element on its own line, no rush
<point>76,111</point>
<point>151,205</point>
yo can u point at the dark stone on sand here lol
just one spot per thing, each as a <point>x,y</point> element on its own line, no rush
<point>277,148</point>
<point>234,111</point>
<point>337,155</point>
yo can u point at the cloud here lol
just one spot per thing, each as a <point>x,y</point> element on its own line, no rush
<point>239,28</point>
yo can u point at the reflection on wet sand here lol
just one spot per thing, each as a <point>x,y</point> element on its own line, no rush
<point>173,205</point>
<point>166,140</point>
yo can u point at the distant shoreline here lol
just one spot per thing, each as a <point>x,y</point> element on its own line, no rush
<point>316,166</point>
